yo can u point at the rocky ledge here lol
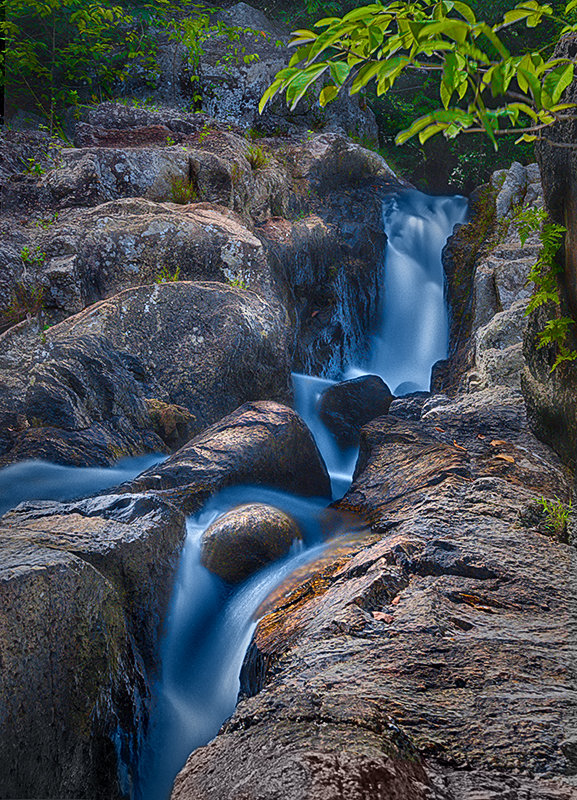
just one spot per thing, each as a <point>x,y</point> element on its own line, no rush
<point>432,656</point>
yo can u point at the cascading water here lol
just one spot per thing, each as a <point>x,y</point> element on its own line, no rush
<point>195,696</point>
<point>209,628</point>
<point>414,331</point>
<point>210,625</point>
<point>41,480</point>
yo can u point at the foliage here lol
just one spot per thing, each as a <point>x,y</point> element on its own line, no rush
<point>544,275</point>
<point>237,283</point>
<point>166,276</point>
<point>556,515</point>
<point>60,50</point>
<point>32,258</point>
<point>27,301</point>
<point>257,157</point>
<point>483,87</point>
<point>195,29</point>
<point>183,191</point>
<point>62,53</point>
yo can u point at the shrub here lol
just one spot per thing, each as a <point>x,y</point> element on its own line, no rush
<point>257,157</point>
<point>183,191</point>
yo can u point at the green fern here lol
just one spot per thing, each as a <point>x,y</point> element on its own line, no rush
<point>544,275</point>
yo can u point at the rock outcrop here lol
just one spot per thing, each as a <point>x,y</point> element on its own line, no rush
<point>346,407</point>
<point>427,659</point>
<point>246,539</point>
<point>263,442</point>
<point>202,346</point>
<point>83,591</point>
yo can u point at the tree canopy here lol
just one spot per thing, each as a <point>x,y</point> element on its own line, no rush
<point>483,86</point>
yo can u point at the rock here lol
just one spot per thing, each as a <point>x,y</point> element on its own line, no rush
<point>82,404</point>
<point>89,176</point>
<point>384,666</point>
<point>245,540</point>
<point>550,396</point>
<point>231,88</point>
<point>559,170</point>
<point>346,407</point>
<point>488,270</point>
<point>175,425</point>
<point>202,346</point>
<point>499,347</point>
<point>89,583</point>
<point>263,443</point>
<point>91,254</point>
<point>211,347</point>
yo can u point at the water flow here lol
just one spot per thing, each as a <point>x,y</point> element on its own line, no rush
<point>208,631</point>
<point>42,480</point>
<point>413,332</point>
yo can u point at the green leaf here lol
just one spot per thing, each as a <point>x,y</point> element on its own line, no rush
<point>328,93</point>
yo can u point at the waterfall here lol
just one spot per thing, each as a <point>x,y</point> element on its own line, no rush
<point>413,330</point>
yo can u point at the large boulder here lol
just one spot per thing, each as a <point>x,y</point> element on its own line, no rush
<point>380,670</point>
<point>84,403</point>
<point>246,539</point>
<point>263,443</point>
<point>82,397</point>
<point>84,589</point>
<point>90,254</point>
<point>346,407</point>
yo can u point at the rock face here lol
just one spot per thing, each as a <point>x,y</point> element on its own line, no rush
<point>231,87</point>
<point>201,346</point>
<point>83,591</point>
<point>382,670</point>
<point>263,443</point>
<point>346,407</point>
<point>550,396</point>
<point>245,540</point>
<point>92,254</point>
<point>488,270</point>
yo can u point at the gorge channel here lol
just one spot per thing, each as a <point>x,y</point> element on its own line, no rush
<point>209,628</point>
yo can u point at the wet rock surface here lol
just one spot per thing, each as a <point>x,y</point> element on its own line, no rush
<point>245,540</point>
<point>430,659</point>
<point>263,442</point>
<point>347,406</point>
<point>83,590</point>
<point>83,396</point>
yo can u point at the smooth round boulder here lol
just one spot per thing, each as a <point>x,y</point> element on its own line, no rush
<point>346,407</point>
<point>246,539</point>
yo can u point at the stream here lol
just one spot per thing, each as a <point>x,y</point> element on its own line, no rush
<point>210,624</point>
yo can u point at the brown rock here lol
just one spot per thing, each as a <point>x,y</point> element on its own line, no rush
<point>263,443</point>
<point>246,539</point>
<point>431,646</point>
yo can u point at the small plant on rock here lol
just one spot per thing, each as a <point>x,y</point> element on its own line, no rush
<point>237,283</point>
<point>183,191</point>
<point>27,302</point>
<point>257,157</point>
<point>556,515</point>
<point>166,276</point>
<point>32,258</point>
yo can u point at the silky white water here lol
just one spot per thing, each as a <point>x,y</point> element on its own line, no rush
<point>209,627</point>
<point>413,331</point>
